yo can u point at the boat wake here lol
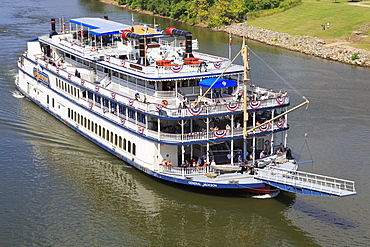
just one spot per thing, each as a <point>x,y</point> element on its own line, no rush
<point>17,94</point>
<point>267,196</point>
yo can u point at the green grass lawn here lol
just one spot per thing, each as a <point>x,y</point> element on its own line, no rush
<point>307,18</point>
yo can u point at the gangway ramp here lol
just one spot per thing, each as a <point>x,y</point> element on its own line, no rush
<point>305,183</point>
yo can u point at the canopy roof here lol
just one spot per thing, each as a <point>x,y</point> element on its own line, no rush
<point>101,26</point>
<point>220,83</point>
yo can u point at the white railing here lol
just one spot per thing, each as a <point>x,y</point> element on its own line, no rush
<point>308,181</point>
<point>166,111</point>
<point>185,171</point>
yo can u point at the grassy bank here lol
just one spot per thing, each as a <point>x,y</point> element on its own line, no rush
<point>308,18</point>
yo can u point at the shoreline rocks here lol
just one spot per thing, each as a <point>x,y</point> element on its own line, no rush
<point>305,44</point>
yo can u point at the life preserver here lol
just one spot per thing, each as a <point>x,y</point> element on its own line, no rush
<point>93,49</point>
<point>267,142</point>
<point>164,102</point>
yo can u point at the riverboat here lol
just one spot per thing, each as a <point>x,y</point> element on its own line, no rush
<point>150,98</point>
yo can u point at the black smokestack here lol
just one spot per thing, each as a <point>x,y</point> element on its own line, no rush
<point>53,29</point>
<point>142,58</point>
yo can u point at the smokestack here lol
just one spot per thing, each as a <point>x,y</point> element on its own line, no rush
<point>53,29</point>
<point>188,40</point>
<point>142,58</point>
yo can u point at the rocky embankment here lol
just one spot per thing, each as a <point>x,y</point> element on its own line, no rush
<point>305,44</point>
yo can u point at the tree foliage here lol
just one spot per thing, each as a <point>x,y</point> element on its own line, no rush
<point>212,13</point>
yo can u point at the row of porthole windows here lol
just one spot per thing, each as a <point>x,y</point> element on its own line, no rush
<point>68,88</point>
<point>102,132</point>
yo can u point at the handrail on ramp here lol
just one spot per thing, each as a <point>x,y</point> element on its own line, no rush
<point>306,183</point>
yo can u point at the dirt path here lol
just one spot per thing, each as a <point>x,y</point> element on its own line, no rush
<point>360,4</point>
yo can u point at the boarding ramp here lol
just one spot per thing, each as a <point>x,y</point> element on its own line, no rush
<point>305,183</point>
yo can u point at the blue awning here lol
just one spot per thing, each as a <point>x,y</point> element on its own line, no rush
<point>220,83</point>
<point>101,26</point>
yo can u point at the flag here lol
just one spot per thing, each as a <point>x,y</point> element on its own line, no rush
<point>231,41</point>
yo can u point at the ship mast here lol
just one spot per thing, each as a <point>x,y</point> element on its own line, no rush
<point>245,112</point>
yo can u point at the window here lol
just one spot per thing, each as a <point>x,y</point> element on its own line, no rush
<point>124,144</point>
<point>129,146</point>
<point>133,148</point>
<point>120,142</point>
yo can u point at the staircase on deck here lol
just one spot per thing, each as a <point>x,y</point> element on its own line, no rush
<point>306,183</point>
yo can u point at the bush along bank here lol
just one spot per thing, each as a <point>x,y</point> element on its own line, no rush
<point>305,44</point>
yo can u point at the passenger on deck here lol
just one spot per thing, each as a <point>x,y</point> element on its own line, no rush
<point>228,126</point>
<point>262,154</point>
<point>137,96</point>
<point>164,162</point>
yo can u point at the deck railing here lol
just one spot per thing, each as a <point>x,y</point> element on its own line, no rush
<point>307,181</point>
<point>166,111</point>
<point>185,171</point>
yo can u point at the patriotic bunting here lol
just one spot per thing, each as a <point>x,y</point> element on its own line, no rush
<point>217,65</point>
<point>195,111</point>
<point>158,108</point>
<point>130,102</point>
<point>193,133</point>
<point>220,133</point>
<point>113,95</point>
<point>176,68</point>
<point>96,88</point>
<point>122,63</point>
<point>280,100</point>
<point>232,107</point>
<point>82,82</point>
<point>264,127</point>
<point>255,104</point>
<point>122,121</point>
<point>280,124</point>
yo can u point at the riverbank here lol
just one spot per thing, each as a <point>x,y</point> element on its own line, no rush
<point>304,44</point>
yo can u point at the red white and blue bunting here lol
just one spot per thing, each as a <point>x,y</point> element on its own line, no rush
<point>195,111</point>
<point>96,88</point>
<point>69,76</point>
<point>130,102</point>
<point>232,107</point>
<point>107,58</point>
<point>122,63</point>
<point>123,121</point>
<point>220,133</point>
<point>90,106</point>
<point>158,108</point>
<point>280,124</point>
<point>265,127</point>
<point>193,133</point>
<point>82,82</point>
<point>255,104</point>
<point>280,100</point>
<point>140,130</point>
<point>57,70</point>
<point>176,68</point>
<point>113,95</point>
<point>217,65</point>
<point>46,64</point>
